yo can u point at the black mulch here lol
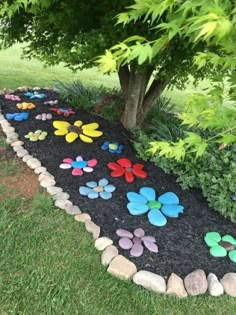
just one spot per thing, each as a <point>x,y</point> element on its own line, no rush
<point>180,242</point>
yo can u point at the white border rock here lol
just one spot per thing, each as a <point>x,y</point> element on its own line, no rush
<point>118,265</point>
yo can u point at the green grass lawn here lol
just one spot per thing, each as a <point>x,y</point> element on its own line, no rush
<point>48,265</point>
<point>15,71</point>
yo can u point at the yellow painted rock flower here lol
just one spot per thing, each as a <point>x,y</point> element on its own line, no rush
<point>72,132</point>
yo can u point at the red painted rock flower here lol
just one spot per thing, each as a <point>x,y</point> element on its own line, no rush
<point>124,167</point>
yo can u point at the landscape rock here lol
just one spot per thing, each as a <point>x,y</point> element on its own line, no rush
<point>175,286</point>
<point>27,158</point>
<point>62,204</point>
<point>16,143</point>
<point>33,163</point>
<point>21,153</point>
<point>150,281</point>
<point>122,268</point>
<point>229,283</point>
<point>215,288</point>
<point>102,242</point>
<point>12,137</point>
<point>47,182</point>
<point>196,282</point>
<point>44,175</point>
<point>93,228</point>
<point>73,210</point>
<point>53,190</point>
<point>17,148</point>
<point>40,170</point>
<point>83,217</point>
<point>108,254</point>
<point>61,195</point>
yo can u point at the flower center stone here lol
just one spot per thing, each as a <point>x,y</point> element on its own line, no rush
<point>75,129</point>
<point>227,245</point>
<point>98,189</point>
<point>113,146</point>
<point>79,164</point>
<point>154,204</point>
<point>129,169</point>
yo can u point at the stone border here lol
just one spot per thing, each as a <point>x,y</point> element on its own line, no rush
<point>195,283</point>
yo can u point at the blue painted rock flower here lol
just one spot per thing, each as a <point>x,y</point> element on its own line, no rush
<point>112,147</point>
<point>94,189</point>
<point>221,246</point>
<point>33,95</point>
<point>167,205</point>
<point>18,116</point>
<point>79,165</point>
<point>72,132</point>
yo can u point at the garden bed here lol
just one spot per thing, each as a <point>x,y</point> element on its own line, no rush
<point>181,241</point>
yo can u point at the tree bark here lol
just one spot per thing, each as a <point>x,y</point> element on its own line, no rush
<point>124,76</point>
<point>150,99</point>
<point>129,118</point>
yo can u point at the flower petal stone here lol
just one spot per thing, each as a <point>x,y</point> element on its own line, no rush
<point>103,182</point>
<point>88,169</point>
<point>105,195</point>
<point>124,162</point>
<point>109,188</point>
<point>172,211</point>
<point>93,195</point>
<point>156,218</point>
<point>136,208</point>
<point>136,250</point>
<point>134,197</point>
<point>218,251</point>
<point>84,191</point>
<point>92,184</point>
<point>169,198</point>
<point>125,243</point>
<point>65,166</point>
<point>148,192</point>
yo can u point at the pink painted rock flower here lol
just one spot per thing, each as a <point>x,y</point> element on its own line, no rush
<point>79,165</point>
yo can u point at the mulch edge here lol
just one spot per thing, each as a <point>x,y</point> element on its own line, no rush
<point>117,265</point>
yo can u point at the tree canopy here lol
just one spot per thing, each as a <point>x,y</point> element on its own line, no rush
<point>150,43</point>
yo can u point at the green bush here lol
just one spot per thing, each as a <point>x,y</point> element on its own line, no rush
<point>78,95</point>
<point>162,122</point>
<point>214,173</point>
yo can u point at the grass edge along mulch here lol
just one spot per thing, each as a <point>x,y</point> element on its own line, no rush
<point>48,265</point>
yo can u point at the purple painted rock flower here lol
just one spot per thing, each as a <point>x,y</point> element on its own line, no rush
<point>136,241</point>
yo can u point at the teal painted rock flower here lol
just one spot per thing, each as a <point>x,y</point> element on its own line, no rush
<point>167,205</point>
<point>221,246</point>
<point>94,189</point>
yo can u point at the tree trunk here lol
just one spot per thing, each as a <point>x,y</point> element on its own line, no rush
<point>150,99</point>
<point>138,101</point>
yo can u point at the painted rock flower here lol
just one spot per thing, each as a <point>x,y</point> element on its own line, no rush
<point>25,105</point>
<point>33,95</point>
<point>36,135</point>
<point>18,116</point>
<point>43,116</point>
<point>167,205</point>
<point>221,246</point>
<point>135,241</point>
<point>72,132</point>
<point>79,165</point>
<point>94,190</point>
<point>66,112</point>
<point>112,147</point>
<point>12,97</point>
<point>124,167</point>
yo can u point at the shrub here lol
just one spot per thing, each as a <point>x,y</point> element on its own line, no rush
<point>78,95</point>
<point>214,173</point>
